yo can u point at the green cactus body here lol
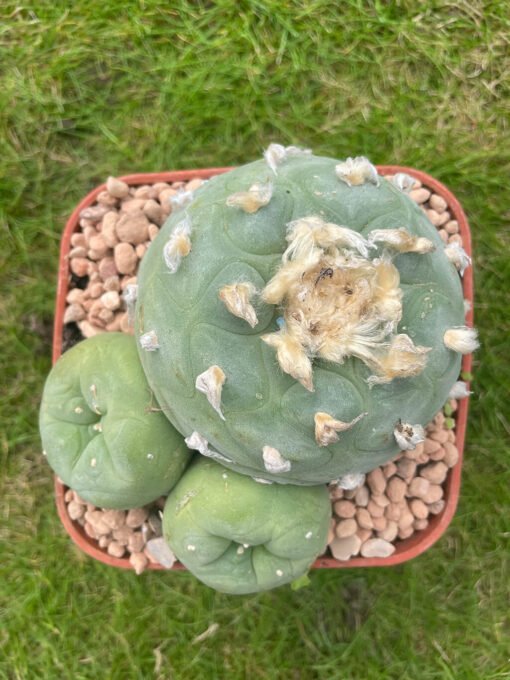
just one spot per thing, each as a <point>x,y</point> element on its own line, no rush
<point>238,536</point>
<point>310,411</point>
<point>102,431</point>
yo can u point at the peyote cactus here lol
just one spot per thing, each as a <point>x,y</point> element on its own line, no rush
<point>242,537</point>
<point>101,429</point>
<point>300,320</point>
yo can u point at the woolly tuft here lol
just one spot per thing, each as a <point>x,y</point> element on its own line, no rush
<point>459,390</point>
<point>178,245</point>
<point>211,383</point>
<point>236,298</point>
<point>461,339</point>
<point>257,196</point>
<point>357,171</point>
<point>275,154</point>
<point>274,461</point>
<point>458,257</point>
<point>327,428</point>
<point>199,443</point>
<point>403,181</point>
<point>408,436</point>
<point>401,241</point>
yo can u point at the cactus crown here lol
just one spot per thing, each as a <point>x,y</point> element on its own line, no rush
<point>338,302</point>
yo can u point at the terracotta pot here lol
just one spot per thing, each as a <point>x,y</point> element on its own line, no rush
<point>405,549</point>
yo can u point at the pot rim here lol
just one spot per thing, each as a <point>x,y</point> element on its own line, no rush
<point>406,549</point>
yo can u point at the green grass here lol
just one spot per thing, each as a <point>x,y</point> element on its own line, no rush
<point>95,88</point>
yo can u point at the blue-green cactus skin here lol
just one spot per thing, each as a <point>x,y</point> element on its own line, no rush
<point>238,536</point>
<point>262,405</point>
<point>102,430</point>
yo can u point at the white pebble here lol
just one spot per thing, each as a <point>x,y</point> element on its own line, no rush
<point>344,548</point>
<point>158,549</point>
<point>110,300</point>
<point>377,547</point>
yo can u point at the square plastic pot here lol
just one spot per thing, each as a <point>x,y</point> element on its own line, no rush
<point>405,549</point>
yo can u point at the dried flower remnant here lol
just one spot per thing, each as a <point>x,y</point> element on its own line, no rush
<point>236,297</point>
<point>211,383</point>
<point>357,171</point>
<point>257,196</point>
<point>408,436</point>
<point>178,245</point>
<point>338,303</point>
<point>327,427</point>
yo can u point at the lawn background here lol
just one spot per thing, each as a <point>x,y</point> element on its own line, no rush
<point>89,89</point>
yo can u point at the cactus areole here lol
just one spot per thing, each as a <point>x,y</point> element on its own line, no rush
<point>299,319</point>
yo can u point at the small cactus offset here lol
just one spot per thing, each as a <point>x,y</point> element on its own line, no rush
<point>101,430</point>
<point>242,537</point>
<point>300,320</point>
